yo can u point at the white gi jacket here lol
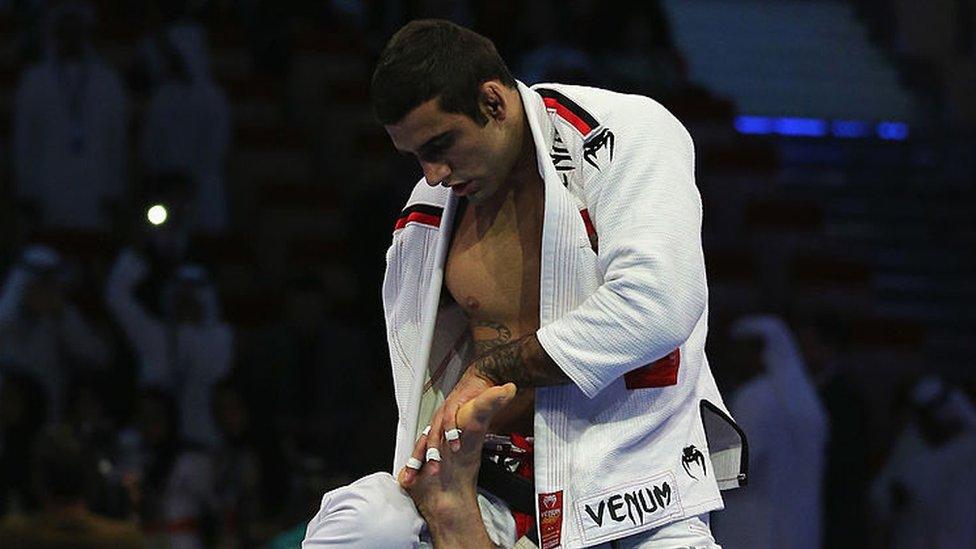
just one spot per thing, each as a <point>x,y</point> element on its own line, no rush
<point>641,437</point>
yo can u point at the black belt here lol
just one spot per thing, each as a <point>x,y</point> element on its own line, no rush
<point>517,491</point>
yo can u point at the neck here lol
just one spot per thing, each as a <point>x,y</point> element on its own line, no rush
<point>525,168</point>
<point>524,172</point>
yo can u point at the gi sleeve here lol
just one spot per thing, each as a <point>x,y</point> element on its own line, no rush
<point>647,213</point>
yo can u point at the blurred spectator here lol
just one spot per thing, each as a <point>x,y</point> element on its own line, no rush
<point>824,343</point>
<point>187,126</point>
<point>251,482</point>
<point>23,411</point>
<point>778,407</point>
<point>40,331</point>
<point>925,495</point>
<point>69,127</point>
<point>62,473</point>
<point>170,482</point>
<point>88,417</point>
<point>185,348</point>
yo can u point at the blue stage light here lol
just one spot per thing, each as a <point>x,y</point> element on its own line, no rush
<point>801,127</point>
<point>897,131</point>
<point>850,128</point>
<point>816,127</point>
<point>757,125</point>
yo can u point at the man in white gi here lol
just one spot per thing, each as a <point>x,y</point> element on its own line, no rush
<point>553,243</point>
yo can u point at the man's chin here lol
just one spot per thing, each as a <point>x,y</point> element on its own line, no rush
<point>478,194</point>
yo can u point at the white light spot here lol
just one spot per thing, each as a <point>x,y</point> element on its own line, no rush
<point>157,214</point>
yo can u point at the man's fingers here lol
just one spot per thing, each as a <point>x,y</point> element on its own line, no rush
<point>476,414</point>
<point>416,460</point>
<point>433,452</point>
<point>451,433</point>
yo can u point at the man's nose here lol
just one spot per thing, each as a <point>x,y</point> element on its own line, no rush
<point>435,172</point>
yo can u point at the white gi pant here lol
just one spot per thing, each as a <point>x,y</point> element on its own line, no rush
<point>374,512</point>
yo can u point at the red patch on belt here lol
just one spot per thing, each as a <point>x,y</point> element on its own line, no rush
<point>660,373</point>
<point>550,519</point>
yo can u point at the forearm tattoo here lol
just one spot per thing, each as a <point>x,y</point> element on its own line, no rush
<point>489,335</point>
<point>523,362</point>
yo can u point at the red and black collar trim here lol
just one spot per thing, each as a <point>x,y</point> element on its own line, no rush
<point>568,110</point>
<point>425,214</point>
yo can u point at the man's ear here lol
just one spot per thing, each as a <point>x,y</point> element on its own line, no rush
<point>493,101</point>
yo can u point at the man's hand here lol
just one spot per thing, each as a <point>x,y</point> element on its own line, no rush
<point>445,491</point>
<point>523,362</point>
<point>444,424</point>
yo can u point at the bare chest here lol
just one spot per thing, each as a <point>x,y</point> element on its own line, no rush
<point>492,268</point>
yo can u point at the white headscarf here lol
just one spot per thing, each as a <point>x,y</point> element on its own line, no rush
<point>784,365</point>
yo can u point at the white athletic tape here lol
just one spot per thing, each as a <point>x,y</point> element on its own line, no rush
<point>433,454</point>
<point>452,435</point>
<point>426,431</point>
<point>414,463</point>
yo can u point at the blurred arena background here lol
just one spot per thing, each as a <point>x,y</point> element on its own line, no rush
<point>195,203</point>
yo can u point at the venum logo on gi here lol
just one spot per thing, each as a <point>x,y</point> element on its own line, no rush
<point>550,519</point>
<point>632,507</point>
<point>692,457</point>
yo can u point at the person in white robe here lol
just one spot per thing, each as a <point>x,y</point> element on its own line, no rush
<point>781,507</point>
<point>41,332</point>
<point>185,350</point>
<point>187,125</point>
<point>70,127</point>
<point>925,495</point>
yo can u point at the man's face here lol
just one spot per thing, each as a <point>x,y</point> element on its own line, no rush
<point>454,150</point>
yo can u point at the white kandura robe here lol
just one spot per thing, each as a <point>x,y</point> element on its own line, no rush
<point>788,427</point>
<point>187,129</point>
<point>938,482</point>
<point>188,359</point>
<point>70,135</point>
<point>44,347</point>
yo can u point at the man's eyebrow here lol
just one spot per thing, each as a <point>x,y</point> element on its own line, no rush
<point>433,142</point>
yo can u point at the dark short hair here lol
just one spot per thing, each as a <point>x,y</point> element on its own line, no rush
<point>433,58</point>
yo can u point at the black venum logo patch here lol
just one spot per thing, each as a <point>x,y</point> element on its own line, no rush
<point>692,460</point>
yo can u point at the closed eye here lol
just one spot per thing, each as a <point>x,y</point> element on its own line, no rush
<point>434,149</point>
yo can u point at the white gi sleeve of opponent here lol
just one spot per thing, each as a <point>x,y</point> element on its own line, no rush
<point>371,512</point>
<point>375,512</point>
<point>647,214</point>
